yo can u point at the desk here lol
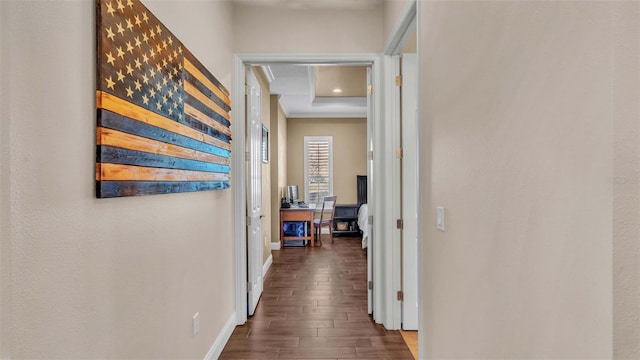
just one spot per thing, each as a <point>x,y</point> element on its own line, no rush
<point>295,213</point>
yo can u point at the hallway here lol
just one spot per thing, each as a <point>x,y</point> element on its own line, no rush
<point>314,306</point>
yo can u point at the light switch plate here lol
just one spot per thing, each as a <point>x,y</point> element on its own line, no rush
<point>440,218</point>
<point>196,323</point>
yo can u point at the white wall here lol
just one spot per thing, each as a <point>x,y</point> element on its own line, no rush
<point>518,146</point>
<point>268,29</point>
<point>109,278</point>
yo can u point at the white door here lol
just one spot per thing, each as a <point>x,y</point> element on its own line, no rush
<point>254,193</point>
<point>370,204</point>
<point>409,99</point>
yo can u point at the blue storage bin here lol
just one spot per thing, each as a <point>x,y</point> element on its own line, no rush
<point>295,228</point>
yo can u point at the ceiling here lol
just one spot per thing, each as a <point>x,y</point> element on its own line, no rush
<point>314,4</point>
<point>308,91</point>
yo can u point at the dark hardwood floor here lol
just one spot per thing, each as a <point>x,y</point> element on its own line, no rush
<point>314,306</point>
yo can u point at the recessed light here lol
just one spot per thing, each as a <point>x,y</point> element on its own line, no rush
<point>337,90</point>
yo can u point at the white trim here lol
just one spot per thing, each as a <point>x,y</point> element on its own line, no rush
<point>268,74</point>
<point>275,245</point>
<point>402,30</point>
<point>422,195</point>
<point>267,265</point>
<point>353,101</point>
<point>224,335</point>
<point>327,115</point>
<point>386,244</point>
<point>238,148</point>
<point>312,82</point>
<point>239,192</point>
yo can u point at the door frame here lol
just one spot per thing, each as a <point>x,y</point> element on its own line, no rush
<point>383,217</point>
<point>409,21</point>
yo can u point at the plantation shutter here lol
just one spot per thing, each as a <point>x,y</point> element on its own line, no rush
<point>318,168</point>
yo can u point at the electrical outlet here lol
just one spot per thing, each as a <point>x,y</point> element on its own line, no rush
<point>196,323</point>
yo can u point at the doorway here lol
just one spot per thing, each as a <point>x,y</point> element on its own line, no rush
<point>241,157</point>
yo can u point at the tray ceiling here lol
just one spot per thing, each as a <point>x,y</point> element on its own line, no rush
<point>308,91</point>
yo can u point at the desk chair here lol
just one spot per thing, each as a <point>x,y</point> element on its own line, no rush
<point>319,223</point>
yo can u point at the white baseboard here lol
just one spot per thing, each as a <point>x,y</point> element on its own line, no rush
<point>221,340</point>
<point>267,265</point>
<point>275,245</point>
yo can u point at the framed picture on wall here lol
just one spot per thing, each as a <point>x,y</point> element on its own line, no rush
<point>265,144</point>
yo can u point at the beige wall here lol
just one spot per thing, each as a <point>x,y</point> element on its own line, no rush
<point>625,52</point>
<point>278,151</point>
<point>5,248</point>
<point>518,146</point>
<point>265,112</point>
<point>269,29</point>
<point>392,10</point>
<point>109,278</point>
<point>349,152</point>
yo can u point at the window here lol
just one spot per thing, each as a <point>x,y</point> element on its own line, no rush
<point>318,168</point>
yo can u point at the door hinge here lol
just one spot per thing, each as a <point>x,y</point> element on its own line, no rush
<point>371,155</point>
<point>400,224</point>
<point>247,156</point>
<point>370,285</point>
<point>369,89</point>
<point>370,218</point>
<point>248,286</point>
<point>399,153</point>
<point>400,295</point>
<point>248,220</point>
<point>399,80</point>
<point>246,90</point>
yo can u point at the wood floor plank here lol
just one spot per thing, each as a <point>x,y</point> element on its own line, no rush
<point>334,315</point>
<point>314,306</point>
<point>301,324</point>
<point>331,341</point>
<point>325,352</point>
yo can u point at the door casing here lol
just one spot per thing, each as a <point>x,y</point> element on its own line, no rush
<point>385,304</point>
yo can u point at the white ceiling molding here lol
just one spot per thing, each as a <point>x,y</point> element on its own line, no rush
<point>356,102</point>
<point>266,69</point>
<point>328,115</point>
<point>312,83</point>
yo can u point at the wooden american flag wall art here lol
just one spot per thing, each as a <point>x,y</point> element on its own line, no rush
<point>163,118</point>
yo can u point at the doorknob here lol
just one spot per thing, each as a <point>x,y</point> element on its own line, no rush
<point>261,216</point>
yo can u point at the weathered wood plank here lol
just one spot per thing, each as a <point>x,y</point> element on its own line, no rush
<point>115,138</point>
<point>114,121</point>
<point>187,77</point>
<point>203,118</point>
<point>132,111</point>
<point>108,189</point>
<point>119,172</point>
<point>109,154</point>
<point>195,62</point>
<point>196,94</point>
<point>195,124</point>
<point>193,70</point>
